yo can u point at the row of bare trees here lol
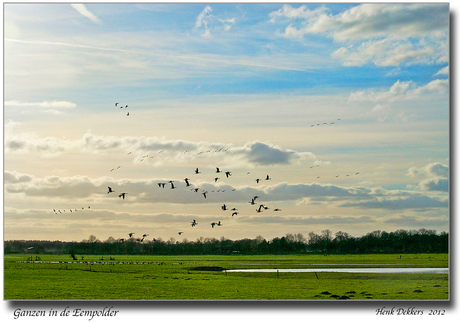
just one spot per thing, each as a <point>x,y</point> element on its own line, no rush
<point>400,241</point>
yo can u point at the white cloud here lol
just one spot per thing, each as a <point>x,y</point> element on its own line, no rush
<point>29,143</point>
<point>15,177</point>
<point>384,34</point>
<point>301,12</point>
<point>400,91</point>
<point>52,112</point>
<point>371,20</point>
<point>203,17</point>
<point>207,21</point>
<point>437,177</point>
<point>434,184</point>
<point>443,71</point>
<point>387,52</point>
<point>85,12</point>
<point>259,153</point>
<point>43,104</point>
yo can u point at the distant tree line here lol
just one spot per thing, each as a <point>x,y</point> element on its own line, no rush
<point>400,241</point>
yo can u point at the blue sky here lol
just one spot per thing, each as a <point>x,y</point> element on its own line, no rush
<point>346,106</point>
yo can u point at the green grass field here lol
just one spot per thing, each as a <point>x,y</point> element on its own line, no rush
<point>176,277</point>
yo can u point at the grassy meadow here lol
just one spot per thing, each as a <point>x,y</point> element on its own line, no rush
<point>55,277</point>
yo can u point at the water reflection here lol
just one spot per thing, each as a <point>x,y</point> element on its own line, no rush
<point>349,270</point>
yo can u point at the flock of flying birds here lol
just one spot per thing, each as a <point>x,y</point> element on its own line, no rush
<point>234,211</point>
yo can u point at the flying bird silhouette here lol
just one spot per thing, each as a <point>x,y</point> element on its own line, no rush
<point>228,174</point>
<point>197,171</point>
<point>186,181</point>
<point>110,190</point>
<point>122,195</point>
<point>234,213</point>
<point>260,208</point>
<point>194,223</point>
<point>131,234</point>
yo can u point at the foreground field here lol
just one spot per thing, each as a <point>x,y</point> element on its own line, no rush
<point>199,278</point>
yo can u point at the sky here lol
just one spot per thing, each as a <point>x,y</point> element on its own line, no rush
<point>345,107</point>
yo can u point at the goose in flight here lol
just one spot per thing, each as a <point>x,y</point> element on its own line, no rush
<point>195,189</point>
<point>122,195</point>
<point>197,171</point>
<point>179,233</point>
<point>275,210</point>
<point>116,104</point>
<point>267,178</point>
<point>234,213</point>
<point>260,208</point>
<point>213,224</point>
<point>131,234</point>
<point>224,207</point>
<point>110,190</point>
<point>186,181</point>
<point>257,180</point>
<point>253,201</point>
<point>219,224</point>
<point>216,179</point>
<point>228,174</point>
<point>218,170</point>
<point>161,185</point>
<point>194,223</point>
<point>204,193</point>
<point>127,114</point>
<point>172,185</point>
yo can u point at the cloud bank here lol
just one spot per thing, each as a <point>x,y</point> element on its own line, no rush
<point>251,154</point>
<point>384,34</point>
<point>147,191</point>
